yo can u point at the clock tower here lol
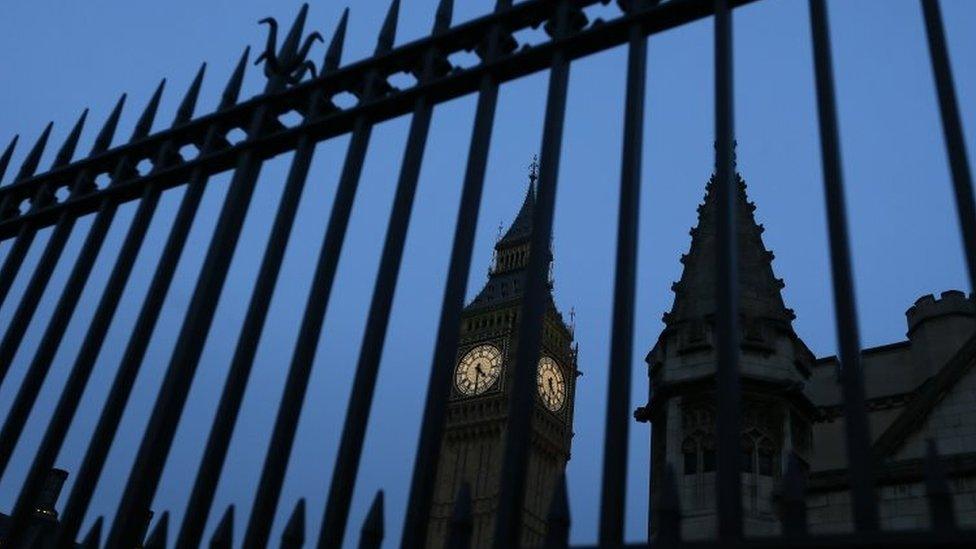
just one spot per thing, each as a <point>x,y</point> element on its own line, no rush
<point>477,416</point>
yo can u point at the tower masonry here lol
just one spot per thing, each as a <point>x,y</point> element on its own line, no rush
<point>477,416</point>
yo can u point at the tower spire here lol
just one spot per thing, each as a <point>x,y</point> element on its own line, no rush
<point>759,288</point>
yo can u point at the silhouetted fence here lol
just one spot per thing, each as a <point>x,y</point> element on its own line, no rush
<point>34,201</point>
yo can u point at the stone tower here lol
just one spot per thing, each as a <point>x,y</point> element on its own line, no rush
<point>472,451</point>
<point>774,364</point>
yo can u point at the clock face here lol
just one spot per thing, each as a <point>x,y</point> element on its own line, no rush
<point>478,370</point>
<point>552,386</point>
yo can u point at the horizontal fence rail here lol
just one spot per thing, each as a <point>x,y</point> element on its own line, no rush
<point>295,84</point>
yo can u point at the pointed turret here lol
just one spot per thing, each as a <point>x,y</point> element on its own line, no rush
<point>759,293</point>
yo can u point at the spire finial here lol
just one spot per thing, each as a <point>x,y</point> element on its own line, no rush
<point>534,169</point>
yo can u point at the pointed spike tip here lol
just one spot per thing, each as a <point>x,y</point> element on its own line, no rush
<point>223,535</point>
<point>233,89</point>
<point>333,56</point>
<point>388,31</point>
<point>445,13</point>
<point>7,154</point>
<point>157,539</point>
<point>104,139</point>
<point>94,538</point>
<point>71,142</point>
<point>33,158</point>
<point>294,532</point>
<point>290,46</point>
<point>373,525</point>
<point>144,125</point>
<point>185,111</point>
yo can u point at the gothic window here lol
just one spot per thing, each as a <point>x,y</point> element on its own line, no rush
<point>698,451</point>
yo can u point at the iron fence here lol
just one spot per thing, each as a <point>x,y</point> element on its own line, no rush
<point>31,202</point>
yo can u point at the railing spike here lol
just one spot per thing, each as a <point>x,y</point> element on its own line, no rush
<point>794,498</point>
<point>371,535</point>
<point>233,89</point>
<point>68,149</point>
<point>557,531</point>
<point>223,536</point>
<point>937,491</point>
<point>460,528</point>
<point>94,538</point>
<point>33,158</point>
<point>442,20</point>
<point>388,31</point>
<point>293,537</point>
<point>290,46</point>
<point>144,125</point>
<point>668,512</point>
<point>185,111</point>
<point>5,157</point>
<point>157,539</point>
<point>333,56</point>
<point>104,138</point>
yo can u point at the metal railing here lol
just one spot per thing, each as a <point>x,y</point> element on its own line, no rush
<point>30,202</point>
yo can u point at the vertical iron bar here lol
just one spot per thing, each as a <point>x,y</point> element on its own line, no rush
<point>158,437</point>
<point>289,410</point>
<point>857,438</point>
<point>208,474</point>
<point>95,338</point>
<point>614,489</point>
<point>115,403</point>
<point>71,394</point>
<point>357,413</point>
<point>962,179</point>
<point>728,483</point>
<point>41,275</point>
<point>26,234</point>
<point>438,385</point>
<point>508,524</point>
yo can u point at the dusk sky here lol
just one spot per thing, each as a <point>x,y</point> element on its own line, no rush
<point>60,57</point>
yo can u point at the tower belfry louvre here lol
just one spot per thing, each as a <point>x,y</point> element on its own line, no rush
<point>477,415</point>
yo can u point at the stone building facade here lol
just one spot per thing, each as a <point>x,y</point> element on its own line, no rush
<point>918,389</point>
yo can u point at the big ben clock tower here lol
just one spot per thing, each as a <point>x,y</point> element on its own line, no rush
<point>478,410</point>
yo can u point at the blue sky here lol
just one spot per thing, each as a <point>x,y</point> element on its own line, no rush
<point>61,57</point>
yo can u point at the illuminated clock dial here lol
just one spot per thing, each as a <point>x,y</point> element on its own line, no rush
<point>478,369</point>
<point>552,386</point>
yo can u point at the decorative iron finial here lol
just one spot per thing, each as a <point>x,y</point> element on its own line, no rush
<point>290,63</point>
